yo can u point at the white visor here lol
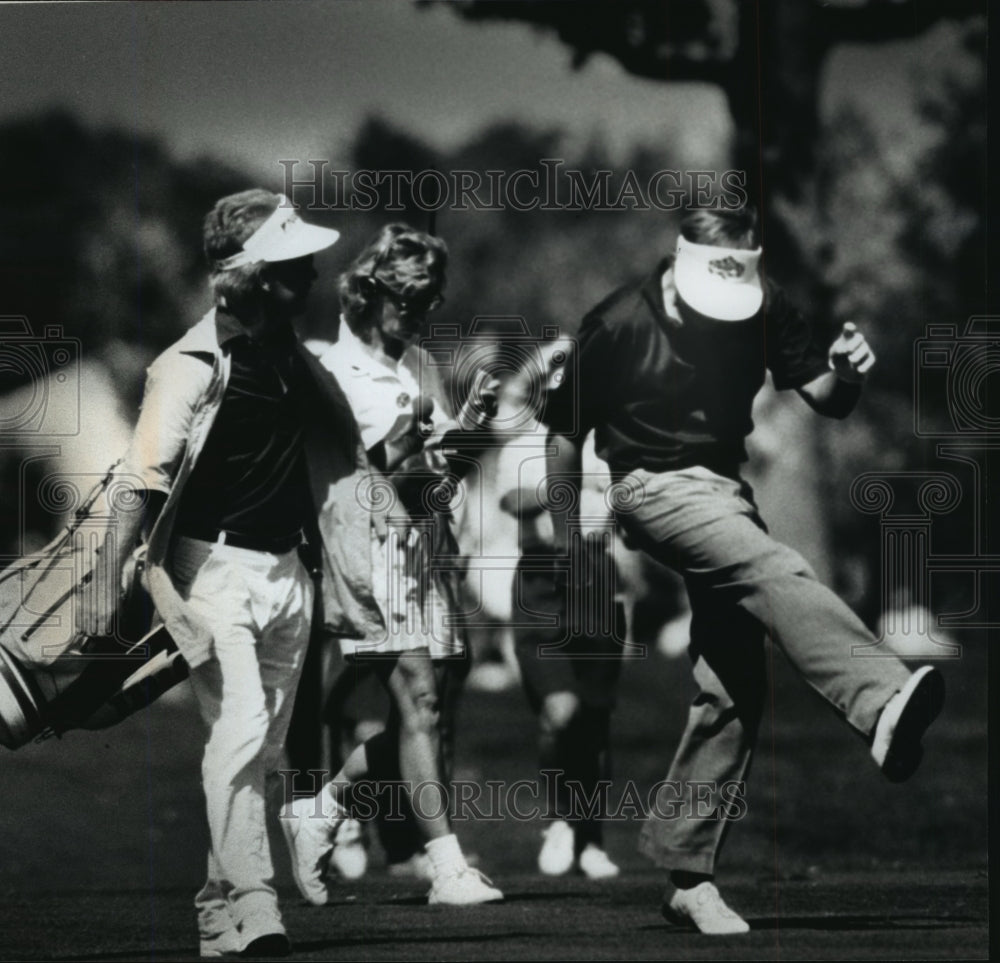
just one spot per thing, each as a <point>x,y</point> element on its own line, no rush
<point>284,236</point>
<point>720,282</point>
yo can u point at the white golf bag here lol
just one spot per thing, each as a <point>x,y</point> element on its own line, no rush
<point>53,677</point>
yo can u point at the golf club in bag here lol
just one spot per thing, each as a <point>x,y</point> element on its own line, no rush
<point>54,678</point>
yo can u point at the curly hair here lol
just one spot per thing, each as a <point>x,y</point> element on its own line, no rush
<point>230,222</point>
<point>736,228</point>
<point>408,261</point>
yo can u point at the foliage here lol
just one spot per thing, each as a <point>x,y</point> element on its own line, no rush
<point>99,233</point>
<point>99,229</point>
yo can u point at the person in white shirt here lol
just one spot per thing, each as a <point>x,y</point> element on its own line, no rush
<point>386,295</point>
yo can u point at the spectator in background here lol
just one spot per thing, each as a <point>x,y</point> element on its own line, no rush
<point>570,664</point>
<point>666,372</point>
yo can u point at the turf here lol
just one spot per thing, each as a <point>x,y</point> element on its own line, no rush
<point>102,844</point>
<point>863,916</point>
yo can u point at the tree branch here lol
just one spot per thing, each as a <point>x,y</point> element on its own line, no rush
<point>696,39</point>
<point>879,21</point>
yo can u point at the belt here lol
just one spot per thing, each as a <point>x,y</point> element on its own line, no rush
<point>275,544</point>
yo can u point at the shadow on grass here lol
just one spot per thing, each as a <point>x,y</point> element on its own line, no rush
<point>316,946</point>
<point>508,898</point>
<point>844,923</point>
<point>319,946</point>
<point>861,922</point>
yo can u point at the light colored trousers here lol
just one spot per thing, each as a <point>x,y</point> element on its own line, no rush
<point>259,608</point>
<point>742,586</point>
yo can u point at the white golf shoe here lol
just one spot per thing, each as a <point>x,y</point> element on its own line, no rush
<point>218,945</point>
<point>703,907</point>
<point>464,886</point>
<point>595,863</point>
<point>556,856</point>
<point>350,850</point>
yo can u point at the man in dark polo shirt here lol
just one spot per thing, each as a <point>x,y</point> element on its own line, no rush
<point>666,373</point>
<point>245,449</point>
<point>250,480</point>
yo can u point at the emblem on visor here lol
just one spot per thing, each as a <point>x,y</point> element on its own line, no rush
<point>727,267</point>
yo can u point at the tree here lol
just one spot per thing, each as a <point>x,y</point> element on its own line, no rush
<point>909,245</point>
<point>767,56</point>
<point>99,230</point>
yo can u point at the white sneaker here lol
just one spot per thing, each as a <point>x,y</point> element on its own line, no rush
<point>896,745</point>
<point>703,907</point>
<point>595,863</point>
<point>350,850</point>
<point>221,944</point>
<point>463,887</point>
<point>555,858</point>
<point>310,844</point>
<point>218,934</point>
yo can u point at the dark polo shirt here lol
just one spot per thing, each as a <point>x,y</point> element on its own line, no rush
<point>251,477</point>
<point>664,395</point>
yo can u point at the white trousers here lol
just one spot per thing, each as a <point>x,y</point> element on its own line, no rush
<point>258,607</point>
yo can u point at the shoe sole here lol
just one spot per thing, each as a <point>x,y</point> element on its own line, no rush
<point>219,954</point>
<point>921,709</point>
<point>685,922</point>
<point>598,877</point>
<point>478,902</point>
<point>432,901</point>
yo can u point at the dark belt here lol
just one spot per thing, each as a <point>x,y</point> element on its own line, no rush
<point>275,544</point>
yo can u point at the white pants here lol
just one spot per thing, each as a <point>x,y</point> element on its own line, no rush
<point>258,607</point>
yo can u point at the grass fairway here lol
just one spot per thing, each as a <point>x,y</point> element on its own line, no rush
<point>103,840</point>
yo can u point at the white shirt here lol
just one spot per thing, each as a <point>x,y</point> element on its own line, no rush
<point>380,391</point>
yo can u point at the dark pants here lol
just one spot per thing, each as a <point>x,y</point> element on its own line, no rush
<point>555,660</point>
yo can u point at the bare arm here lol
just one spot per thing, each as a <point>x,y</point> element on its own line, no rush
<point>836,392</point>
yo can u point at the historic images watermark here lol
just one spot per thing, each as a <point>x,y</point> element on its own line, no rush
<point>524,800</point>
<point>955,403</point>
<point>551,186</point>
<point>44,592</point>
<point>47,367</point>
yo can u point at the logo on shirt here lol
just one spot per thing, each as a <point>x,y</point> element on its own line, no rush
<point>403,400</point>
<point>727,267</point>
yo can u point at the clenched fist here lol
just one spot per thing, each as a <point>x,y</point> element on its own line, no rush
<point>851,356</point>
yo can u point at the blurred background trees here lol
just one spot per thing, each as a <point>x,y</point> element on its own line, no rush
<point>882,224</point>
<point>858,227</point>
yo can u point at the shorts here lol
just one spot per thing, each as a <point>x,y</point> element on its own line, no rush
<point>417,614</point>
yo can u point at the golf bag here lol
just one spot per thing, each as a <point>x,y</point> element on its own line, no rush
<point>53,677</point>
